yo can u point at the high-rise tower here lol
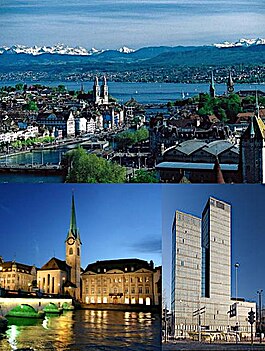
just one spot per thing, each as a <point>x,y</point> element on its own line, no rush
<point>73,250</point>
<point>216,249</point>
<point>201,272</point>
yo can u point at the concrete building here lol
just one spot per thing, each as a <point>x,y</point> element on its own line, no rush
<point>14,275</point>
<point>201,274</point>
<point>123,281</point>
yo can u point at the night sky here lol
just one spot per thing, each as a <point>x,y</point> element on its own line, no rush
<point>248,229</point>
<point>108,24</point>
<point>115,221</point>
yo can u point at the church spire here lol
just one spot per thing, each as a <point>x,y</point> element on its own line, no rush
<point>73,231</point>
<point>252,131</point>
<point>230,84</point>
<point>218,172</point>
<point>257,105</point>
<point>212,87</point>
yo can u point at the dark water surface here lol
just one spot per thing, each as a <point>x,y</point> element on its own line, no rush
<point>86,330</point>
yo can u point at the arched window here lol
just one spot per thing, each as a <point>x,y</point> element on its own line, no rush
<point>78,251</point>
<point>70,251</point>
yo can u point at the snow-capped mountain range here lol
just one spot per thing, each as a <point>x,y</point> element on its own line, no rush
<point>241,42</point>
<point>60,49</point>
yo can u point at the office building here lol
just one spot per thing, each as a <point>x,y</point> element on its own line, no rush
<point>201,274</point>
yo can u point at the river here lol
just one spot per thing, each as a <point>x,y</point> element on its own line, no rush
<point>84,330</point>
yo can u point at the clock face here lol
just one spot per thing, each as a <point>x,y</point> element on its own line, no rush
<point>70,241</point>
<point>230,89</point>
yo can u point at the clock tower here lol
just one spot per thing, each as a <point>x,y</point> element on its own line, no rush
<point>73,251</point>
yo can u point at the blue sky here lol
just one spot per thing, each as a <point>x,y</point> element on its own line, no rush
<point>134,23</point>
<point>115,221</point>
<point>248,230</point>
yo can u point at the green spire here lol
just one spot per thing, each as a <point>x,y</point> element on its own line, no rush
<point>257,105</point>
<point>252,131</point>
<point>73,231</point>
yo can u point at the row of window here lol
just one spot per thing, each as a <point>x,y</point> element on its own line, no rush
<point>119,280</point>
<point>127,300</point>
<point>116,290</point>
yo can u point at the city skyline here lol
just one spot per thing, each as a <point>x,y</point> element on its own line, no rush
<point>106,24</point>
<point>246,247</point>
<point>36,218</point>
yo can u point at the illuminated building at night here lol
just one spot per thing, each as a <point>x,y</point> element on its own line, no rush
<point>14,275</point>
<point>123,281</point>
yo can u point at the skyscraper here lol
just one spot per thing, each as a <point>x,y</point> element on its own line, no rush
<point>201,273</point>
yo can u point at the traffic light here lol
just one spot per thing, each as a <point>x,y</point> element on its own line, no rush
<point>251,316</point>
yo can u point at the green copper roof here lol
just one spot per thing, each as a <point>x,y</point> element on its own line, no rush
<point>73,231</point>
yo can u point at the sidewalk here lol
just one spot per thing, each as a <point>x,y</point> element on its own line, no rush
<point>196,346</point>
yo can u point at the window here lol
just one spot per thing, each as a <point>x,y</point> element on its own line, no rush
<point>220,205</point>
<point>78,251</point>
<point>70,251</point>
<point>147,290</point>
<point>182,263</point>
<point>140,290</point>
<point>148,301</point>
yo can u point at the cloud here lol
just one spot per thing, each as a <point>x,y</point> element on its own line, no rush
<point>149,245</point>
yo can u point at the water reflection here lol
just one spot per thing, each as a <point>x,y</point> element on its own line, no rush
<point>87,330</point>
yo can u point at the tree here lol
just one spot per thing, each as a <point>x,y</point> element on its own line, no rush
<point>128,138</point>
<point>89,168</point>
<point>31,106</point>
<point>144,176</point>
<point>19,86</point>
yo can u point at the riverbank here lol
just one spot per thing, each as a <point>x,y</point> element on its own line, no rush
<point>120,307</point>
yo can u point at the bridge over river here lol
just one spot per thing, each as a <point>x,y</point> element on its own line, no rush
<point>8,303</point>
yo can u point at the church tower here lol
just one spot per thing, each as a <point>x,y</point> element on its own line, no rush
<point>230,84</point>
<point>73,251</point>
<point>96,91</point>
<point>105,92</point>
<point>212,87</point>
<point>252,146</point>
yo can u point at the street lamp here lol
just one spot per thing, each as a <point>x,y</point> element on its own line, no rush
<point>259,292</point>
